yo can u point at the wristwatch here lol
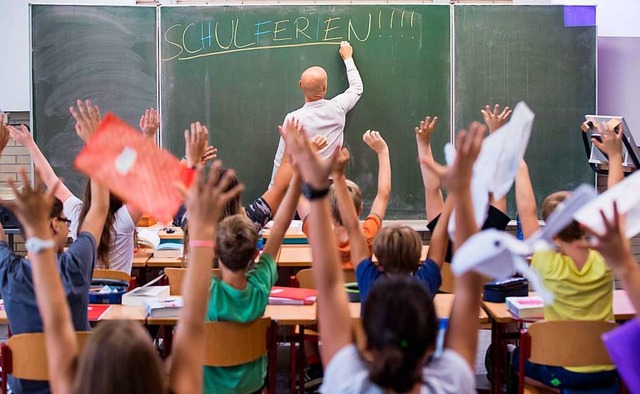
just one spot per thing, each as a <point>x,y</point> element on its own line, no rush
<point>36,245</point>
<point>312,194</point>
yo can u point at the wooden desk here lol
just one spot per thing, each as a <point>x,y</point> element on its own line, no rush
<point>300,256</point>
<point>164,262</point>
<point>141,257</point>
<point>293,236</point>
<point>622,309</point>
<point>123,312</point>
<point>177,234</point>
<point>500,318</point>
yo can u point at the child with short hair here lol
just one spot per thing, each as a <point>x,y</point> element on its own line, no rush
<point>399,319</point>
<point>579,278</point>
<point>398,248</point>
<point>242,296</point>
<point>373,222</point>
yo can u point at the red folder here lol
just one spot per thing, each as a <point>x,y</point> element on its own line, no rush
<point>95,311</point>
<point>292,296</point>
<point>134,168</point>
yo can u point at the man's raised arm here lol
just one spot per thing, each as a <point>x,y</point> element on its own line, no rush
<point>350,97</point>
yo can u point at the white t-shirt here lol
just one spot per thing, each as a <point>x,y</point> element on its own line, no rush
<point>348,373</point>
<point>122,247</point>
<point>325,117</point>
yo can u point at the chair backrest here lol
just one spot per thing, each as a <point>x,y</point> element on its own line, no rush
<point>569,343</point>
<point>231,343</point>
<point>28,355</point>
<point>176,277</point>
<point>306,281</point>
<point>111,274</point>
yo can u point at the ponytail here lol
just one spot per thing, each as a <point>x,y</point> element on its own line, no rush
<point>392,369</point>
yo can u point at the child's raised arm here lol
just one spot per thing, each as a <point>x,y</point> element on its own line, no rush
<point>616,250</point>
<point>24,138</point>
<point>88,119</point>
<point>32,208</point>
<point>375,141</point>
<point>440,237</point>
<point>348,214</point>
<point>494,120</point>
<point>333,311</point>
<point>462,336</point>
<point>149,123</point>
<point>434,202</point>
<point>205,202</point>
<point>526,201</point>
<point>611,145</point>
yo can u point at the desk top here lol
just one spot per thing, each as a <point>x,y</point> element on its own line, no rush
<point>141,257</point>
<point>163,262</point>
<point>622,309</point>
<point>300,255</point>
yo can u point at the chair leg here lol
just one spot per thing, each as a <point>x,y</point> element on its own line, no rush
<point>301,359</point>
<point>292,332</point>
<point>272,346</point>
<point>5,356</point>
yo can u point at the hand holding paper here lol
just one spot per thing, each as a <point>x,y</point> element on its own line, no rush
<point>133,168</point>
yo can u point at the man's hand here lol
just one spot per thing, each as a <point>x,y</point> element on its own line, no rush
<point>195,143</point>
<point>611,140</point>
<point>149,122</point>
<point>87,118</point>
<point>375,141</point>
<point>457,177</point>
<point>311,166</point>
<point>495,119</point>
<point>426,129</point>
<point>346,51</point>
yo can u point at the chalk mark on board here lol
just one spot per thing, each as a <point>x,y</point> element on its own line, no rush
<point>257,48</point>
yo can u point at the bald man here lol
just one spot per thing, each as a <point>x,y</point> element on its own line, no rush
<point>321,116</point>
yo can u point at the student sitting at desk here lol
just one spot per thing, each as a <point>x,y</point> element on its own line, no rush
<point>373,222</point>
<point>74,267</point>
<point>116,243</point>
<point>119,356</point>
<point>399,319</point>
<point>434,201</point>
<point>577,275</point>
<point>398,248</point>
<point>242,296</point>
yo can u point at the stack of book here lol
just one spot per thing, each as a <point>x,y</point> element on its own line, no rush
<point>292,296</point>
<point>526,307</point>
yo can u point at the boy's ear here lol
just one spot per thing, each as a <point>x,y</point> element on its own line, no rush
<point>255,254</point>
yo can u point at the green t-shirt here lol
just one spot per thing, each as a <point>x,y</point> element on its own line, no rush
<point>229,304</point>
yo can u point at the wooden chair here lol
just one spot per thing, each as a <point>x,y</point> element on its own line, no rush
<point>230,343</point>
<point>111,274</point>
<point>562,344</point>
<point>305,278</point>
<point>176,277</point>
<point>24,356</point>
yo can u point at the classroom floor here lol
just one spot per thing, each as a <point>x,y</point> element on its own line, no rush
<point>282,378</point>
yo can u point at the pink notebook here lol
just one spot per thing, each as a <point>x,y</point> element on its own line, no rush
<point>134,168</point>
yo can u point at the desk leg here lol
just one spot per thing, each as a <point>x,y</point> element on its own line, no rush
<point>301,360</point>
<point>496,357</point>
<point>294,355</point>
<point>167,340</point>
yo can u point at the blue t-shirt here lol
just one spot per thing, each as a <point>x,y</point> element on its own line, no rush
<point>368,273</point>
<point>17,288</point>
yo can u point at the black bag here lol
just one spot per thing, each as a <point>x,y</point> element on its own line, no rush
<point>497,291</point>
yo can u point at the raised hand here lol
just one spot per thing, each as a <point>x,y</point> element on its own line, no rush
<point>209,154</point>
<point>310,165</point>
<point>195,143</point>
<point>4,132</point>
<point>341,162</point>
<point>31,206</point>
<point>426,129</point>
<point>319,142</point>
<point>346,51</point>
<point>375,141</point>
<point>457,177</point>
<point>149,122</point>
<point>495,119</point>
<point>611,140</point>
<point>22,135</point>
<point>613,243</point>
<point>87,118</point>
<point>208,196</point>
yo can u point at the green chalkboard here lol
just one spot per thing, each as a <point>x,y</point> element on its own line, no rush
<point>236,69</point>
<point>105,54</point>
<point>544,55</point>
